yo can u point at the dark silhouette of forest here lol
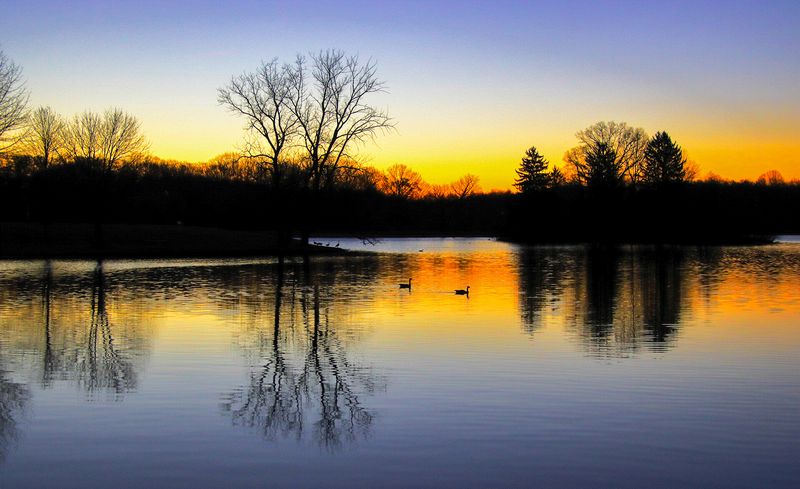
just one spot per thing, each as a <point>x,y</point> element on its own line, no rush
<point>296,174</point>
<point>619,185</point>
<point>167,194</point>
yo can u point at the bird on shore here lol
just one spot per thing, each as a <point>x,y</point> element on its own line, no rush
<point>406,286</point>
<point>463,291</point>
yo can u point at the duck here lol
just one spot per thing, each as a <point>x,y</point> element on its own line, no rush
<point>406,286</point>
<point>463,291</point>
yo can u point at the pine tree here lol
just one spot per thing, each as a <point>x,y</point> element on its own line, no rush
<point>602,169</point>
<point>664,160</point>
<point>557,177</point>
<point>532,173</point>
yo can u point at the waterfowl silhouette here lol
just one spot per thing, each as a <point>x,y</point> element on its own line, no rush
<point>405,286</point>
<point>463,291</point>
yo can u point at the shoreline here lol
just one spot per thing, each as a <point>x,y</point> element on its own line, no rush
<point>28,241</point>
<point>31,241</point>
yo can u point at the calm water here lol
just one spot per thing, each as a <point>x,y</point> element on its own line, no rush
<point>564,367</point>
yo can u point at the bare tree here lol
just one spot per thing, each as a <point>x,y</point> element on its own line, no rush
<point>439,191</point>
<point>46,135</point>
<point>263,98</point>
<point>359,177</point>
<point>772,177</point>
<point>224,167</point>
<point>402,181</point>
<point>13,102</point>
<point>105,139</point>
<point>83,135</point>
<point>628,144</point>
<point>466,186</point>
<point>329,102</point>
<point>121,137</point>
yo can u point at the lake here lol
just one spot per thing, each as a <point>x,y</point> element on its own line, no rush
<point>565,366</point>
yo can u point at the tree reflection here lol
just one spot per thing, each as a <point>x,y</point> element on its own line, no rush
<point>13,399</point>
<point>308,381</point>
<point>49,358</point>
<point>602,267</point>
<point>100,365</point>
<point>542,276</point>
<point>617,299</point>
<point>92,356</point>
<point>662,289</point>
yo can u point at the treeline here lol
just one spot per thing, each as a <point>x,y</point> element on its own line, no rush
<point>214,194</point>
<point>619,185</point>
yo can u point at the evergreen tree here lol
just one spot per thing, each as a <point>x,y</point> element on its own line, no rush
<point>602,169</point>
<point>557,177</point>
<point>532,173</point>
<point>664,160</point>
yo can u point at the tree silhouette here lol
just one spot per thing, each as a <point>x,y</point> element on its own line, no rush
<point>626,143</point>
<point>772,177</point>
<point>601,168</point>
<point>402,181</point>
<point>13,102</point>
<point>557,177</point>
<point>532,174</point>
<point>329,102</point>
<point>663,161</point>
<point>438,191</point>
<point>101,142</point>
<point>105,140</point>
<point>263,99</point>
<point>45,136</point>
<point>466,186</point>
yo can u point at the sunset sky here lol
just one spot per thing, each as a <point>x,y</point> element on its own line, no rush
<point>471,84</point>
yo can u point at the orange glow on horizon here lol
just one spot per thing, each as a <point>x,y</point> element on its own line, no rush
<point>445,161</point>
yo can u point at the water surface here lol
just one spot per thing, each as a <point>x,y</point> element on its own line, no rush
<point>564,367</point>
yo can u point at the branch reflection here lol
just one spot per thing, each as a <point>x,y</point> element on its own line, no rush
<point>306,383</point>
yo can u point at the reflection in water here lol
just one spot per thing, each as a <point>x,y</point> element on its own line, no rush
<point>615,298</point>
<point>542,275</point>
<point>662,291</point>
<point>601,282</point>
<point>13,399</point>
<point>87,350</point>
<point>101,365</point>
<point>305,373</point>
<point>704,344</point>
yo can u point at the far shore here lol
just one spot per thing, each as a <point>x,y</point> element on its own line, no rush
<point>42,241</point>
<point>145,241</point>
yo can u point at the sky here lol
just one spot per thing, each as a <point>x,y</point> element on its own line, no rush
<point>471,84</point>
